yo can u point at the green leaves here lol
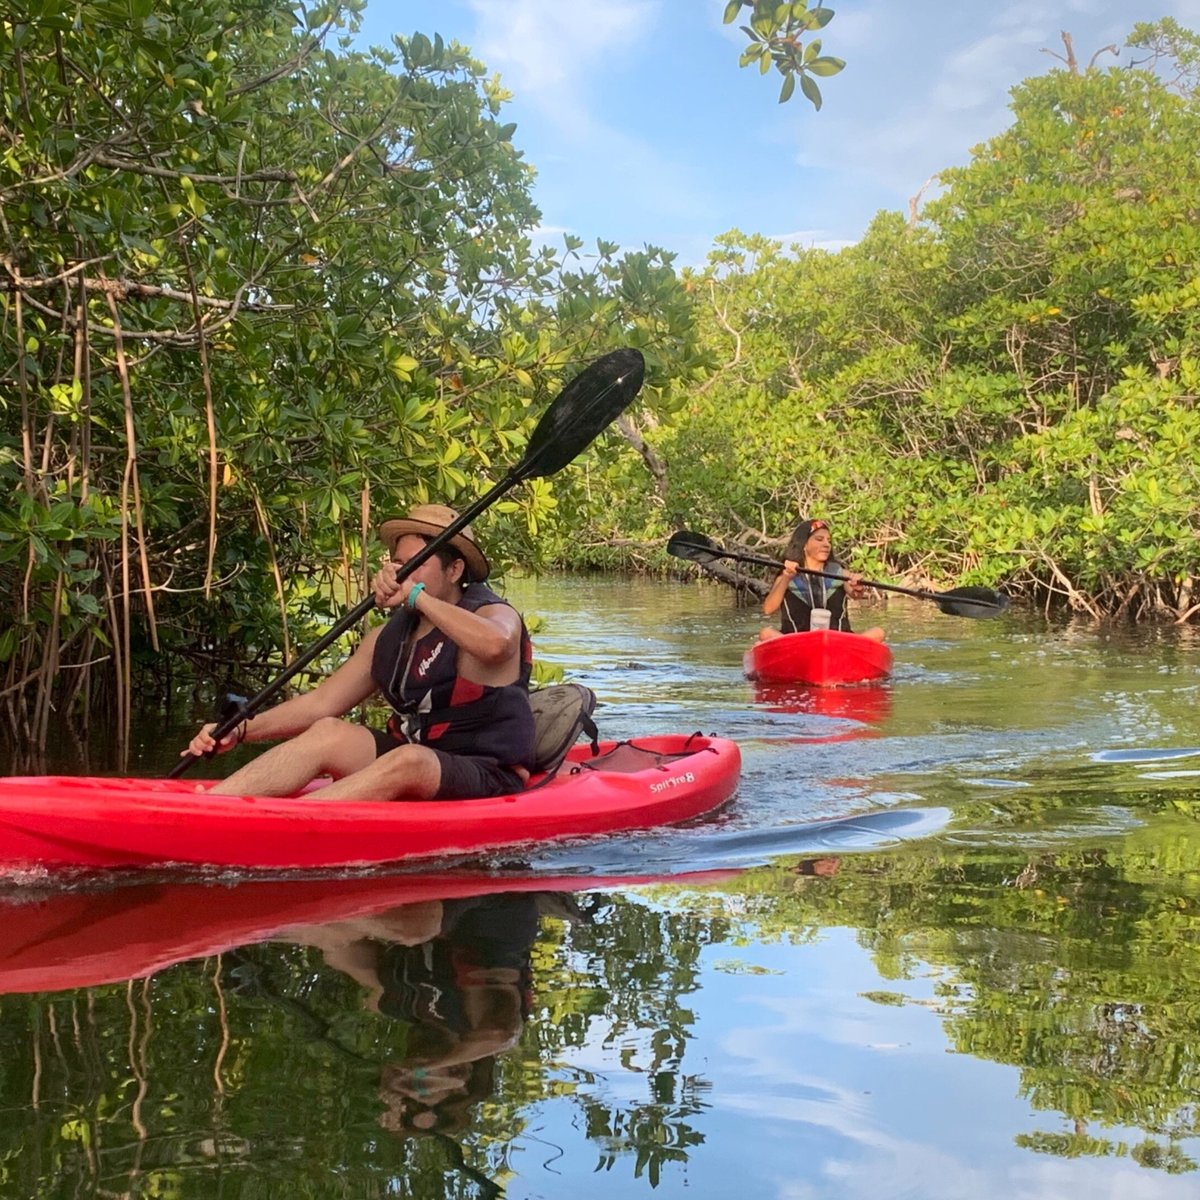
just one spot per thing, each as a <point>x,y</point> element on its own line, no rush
<point>824,65</point>
<point>776,33</point>
<point>377,328</point>
<point>1003,391</point>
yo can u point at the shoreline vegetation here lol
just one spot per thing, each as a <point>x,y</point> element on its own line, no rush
<point>261,291</point>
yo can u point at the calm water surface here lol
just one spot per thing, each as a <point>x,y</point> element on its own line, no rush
<point>945,942</point>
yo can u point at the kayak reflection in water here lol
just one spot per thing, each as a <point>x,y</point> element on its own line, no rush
<point>459,972</point>
<point>800,595</point>
<point>453,661</point>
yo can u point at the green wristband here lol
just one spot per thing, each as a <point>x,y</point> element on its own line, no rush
<point>414,592</point>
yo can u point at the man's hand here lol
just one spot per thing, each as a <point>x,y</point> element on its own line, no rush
<point>203,742</point>
<point>388,592</point>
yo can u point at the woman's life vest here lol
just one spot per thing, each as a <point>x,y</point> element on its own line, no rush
<point>806,592</point>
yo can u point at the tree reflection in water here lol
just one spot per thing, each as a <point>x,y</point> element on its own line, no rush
<point>466,1024</point>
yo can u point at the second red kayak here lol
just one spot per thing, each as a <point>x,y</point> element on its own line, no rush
<point>824,658</point>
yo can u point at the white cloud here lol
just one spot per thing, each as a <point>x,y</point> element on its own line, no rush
<point>917,96</point>
<point>852,30</point>
<point>558,57</point>
<point>980,74</point>
<point>548,51</point>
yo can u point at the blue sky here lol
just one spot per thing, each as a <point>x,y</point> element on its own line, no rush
<point>643,129</point>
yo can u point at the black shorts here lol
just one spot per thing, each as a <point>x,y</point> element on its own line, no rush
<point>464,776</point>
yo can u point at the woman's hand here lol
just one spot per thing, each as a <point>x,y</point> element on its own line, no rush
<point>854,586</point>
<point>203,742</point>
<point>790,568</point>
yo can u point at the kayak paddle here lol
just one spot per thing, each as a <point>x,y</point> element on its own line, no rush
<point>589,403</point>
<point>975,602</point>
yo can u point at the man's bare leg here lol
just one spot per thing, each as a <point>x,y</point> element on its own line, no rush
<point>406,773</point>
<point>328,747</point>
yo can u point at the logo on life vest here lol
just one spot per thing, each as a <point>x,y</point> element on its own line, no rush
<point>427,662</point>
<point>673,782</point>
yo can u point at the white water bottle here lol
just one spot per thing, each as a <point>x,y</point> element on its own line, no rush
<point>819,619</point>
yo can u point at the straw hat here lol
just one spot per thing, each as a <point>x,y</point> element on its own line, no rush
<point>431,520</point>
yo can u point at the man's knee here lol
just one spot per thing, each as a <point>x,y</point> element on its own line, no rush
<point>329,726</point>
<point>336,747</point>
<point>411,770</point>
<point>325,731</point>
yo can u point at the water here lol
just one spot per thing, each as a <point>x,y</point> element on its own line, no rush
<point>945,942</point>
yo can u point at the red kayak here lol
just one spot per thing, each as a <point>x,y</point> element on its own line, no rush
<point>81,939</point>
<point>824,658</point>
<point>55,822</point>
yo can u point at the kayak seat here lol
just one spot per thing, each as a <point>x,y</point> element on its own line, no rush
<point>561,714</point>
<point>628,757</point>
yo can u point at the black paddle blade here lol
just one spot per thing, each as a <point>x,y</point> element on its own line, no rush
<point>694,547</point>
<point>976,602</point>
<point>585,407</point>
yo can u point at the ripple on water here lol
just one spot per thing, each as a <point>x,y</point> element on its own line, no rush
<point>998,784</point>
<point>1160,754</point>
<point>1074,825</point>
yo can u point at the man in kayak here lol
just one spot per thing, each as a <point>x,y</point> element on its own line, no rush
<point>801,595</point>
<point>453,661</point>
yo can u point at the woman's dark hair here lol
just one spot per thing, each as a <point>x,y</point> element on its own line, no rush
<point>799,539</point>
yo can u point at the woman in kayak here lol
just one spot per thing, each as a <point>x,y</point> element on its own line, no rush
<point>799,595</point>
<point>454,663</point>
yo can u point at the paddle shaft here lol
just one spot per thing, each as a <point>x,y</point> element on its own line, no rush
<point>760,561</point>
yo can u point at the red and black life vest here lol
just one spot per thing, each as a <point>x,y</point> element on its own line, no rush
<point>435,706</point>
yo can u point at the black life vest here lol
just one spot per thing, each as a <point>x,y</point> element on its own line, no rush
<point>435,706</point>
<point>806,592</point>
